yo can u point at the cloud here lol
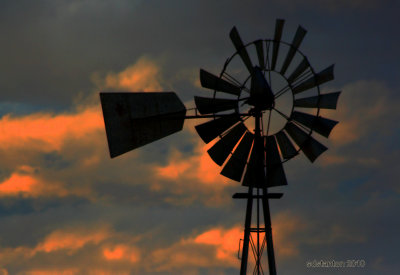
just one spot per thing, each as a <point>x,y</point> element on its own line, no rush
<point>336,234</point>
<point>25,141</point>
<point>334,5</point>
<point>75,250</point>
<point>61,147</point>
<point>121,252</point>
<point>192,177</point>
<point>72,239</point>
<point>198,166</point>
<point>365,112</point>
<point>143,76</point>
<point>294,234</point>
<point>364,107</point>
<point>48,132</point>
<point>225,242</point>
<point>218,246</point>
<point>17,183</point>
<point>52,49</point>
<point>26,182</point>
<point>213,248</point>
<point>69,271</point>
<point>285,225</point>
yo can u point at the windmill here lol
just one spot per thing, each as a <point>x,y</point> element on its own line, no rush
<point>264,111</point>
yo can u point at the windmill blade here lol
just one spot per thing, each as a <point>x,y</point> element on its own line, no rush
<point>255,176</point>
<point>324,101</point>
<point>207,105</point>
<point>235,165</point>
<point>299,70</point>
<point>220,151</point>
<point>260,53</point>
<point>210,81</point>
<point>285,145</point>
<point>298,37</point>
<point>135,119</point>
<point>241,49</point>
<point>213,128</point>
<point>321,77</point>
<point>275,175</point>
<point>318,124</point>
<point>310,147</point>
<point>277,38</point>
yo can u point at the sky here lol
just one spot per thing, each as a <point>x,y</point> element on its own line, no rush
<point>67,208</point>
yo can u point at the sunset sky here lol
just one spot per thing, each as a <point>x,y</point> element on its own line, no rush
<point>67,208</point>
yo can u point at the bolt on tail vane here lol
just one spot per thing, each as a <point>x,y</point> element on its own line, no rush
<point>262,114</point>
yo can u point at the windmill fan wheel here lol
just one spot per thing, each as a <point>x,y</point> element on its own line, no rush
<point>275,79</point>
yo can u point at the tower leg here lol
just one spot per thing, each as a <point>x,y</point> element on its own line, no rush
<point>268,234</point>
<point>246,240</point>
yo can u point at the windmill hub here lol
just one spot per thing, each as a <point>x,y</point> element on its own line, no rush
<point>261,96</point>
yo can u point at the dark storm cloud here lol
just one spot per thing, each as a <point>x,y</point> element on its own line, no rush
<point>341,207</point>
<point>50,49</point>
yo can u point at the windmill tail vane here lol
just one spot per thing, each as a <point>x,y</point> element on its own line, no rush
<point>261,116</point>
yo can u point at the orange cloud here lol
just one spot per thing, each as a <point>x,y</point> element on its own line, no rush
<point>121,252</point>
<point>174,170</point>
<point>72,240</point>
<point>182,256</point>
<point>143,76</point>
<point>197,167</point>
<point>72,271</point>
<point>200,171</point>
<point>100,250</point>
<point>218,247</point>
<point>24,181</point>
<point>48,132</point>
<point>225,241</point>
<point>16,184</point>
<point>106,272</point>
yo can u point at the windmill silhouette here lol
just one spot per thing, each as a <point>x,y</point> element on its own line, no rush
<point>262,114</point>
